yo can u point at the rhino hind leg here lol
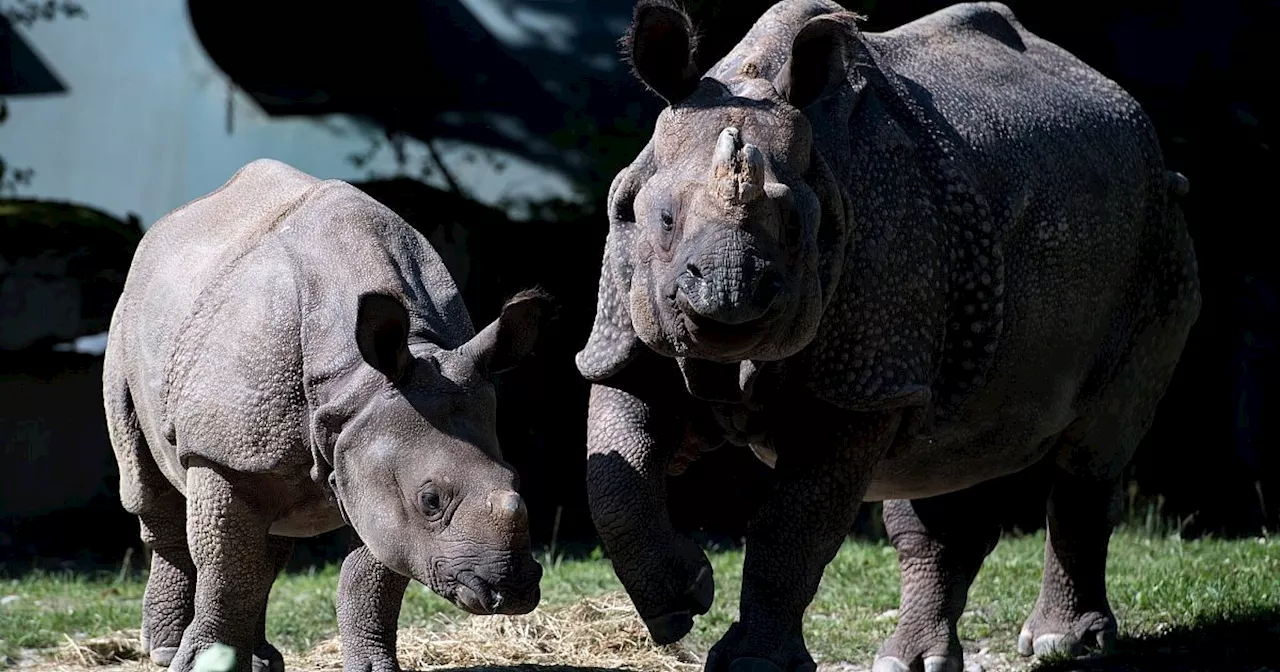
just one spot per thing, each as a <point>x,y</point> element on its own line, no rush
<point>941,544</point>
<point>1072,615</point>
<point>169,600</point>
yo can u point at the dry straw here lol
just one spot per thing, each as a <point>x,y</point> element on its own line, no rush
<point>600,632</point>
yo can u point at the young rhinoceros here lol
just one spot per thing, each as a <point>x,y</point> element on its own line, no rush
<point>288,356</point>
<point>898,266</point>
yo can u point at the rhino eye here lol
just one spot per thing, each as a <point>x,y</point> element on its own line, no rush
<point>667,233</point>
<point>430,501</point>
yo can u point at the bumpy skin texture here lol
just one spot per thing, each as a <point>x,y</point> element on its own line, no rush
<point>369,598</point>
<point>899,266</point>
<point>289,356</point>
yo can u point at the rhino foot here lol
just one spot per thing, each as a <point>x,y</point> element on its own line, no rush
<point>939,653</point>
<point>1091,632</point>
<point>749,664</point>
<point>163,655</point>
<point>931,664</point>
<point>373,664</point>
<point>673,625</point>
<point>266,658</point>
<point>737,652</point>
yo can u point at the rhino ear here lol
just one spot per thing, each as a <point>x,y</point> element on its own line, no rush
<point>819,59</point>
<point>660,45</point>
<point>382,334</point>
<point>508,340</point>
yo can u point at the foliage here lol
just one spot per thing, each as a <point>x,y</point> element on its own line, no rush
<point>27,13</point>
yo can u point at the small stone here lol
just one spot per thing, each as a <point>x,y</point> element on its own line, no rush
<point>973,667</point>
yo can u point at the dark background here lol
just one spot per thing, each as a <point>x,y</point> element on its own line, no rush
<point>1203,70</point>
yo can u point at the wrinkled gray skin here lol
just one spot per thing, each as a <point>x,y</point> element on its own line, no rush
<point>899,267</point>
<point>288,356</point>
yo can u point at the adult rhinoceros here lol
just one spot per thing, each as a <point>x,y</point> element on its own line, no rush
<point>899,266</point>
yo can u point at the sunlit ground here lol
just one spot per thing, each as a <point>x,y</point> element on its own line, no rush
<point>1175,600</point>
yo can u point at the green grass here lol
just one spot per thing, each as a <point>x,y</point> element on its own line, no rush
<point>1157,586</point>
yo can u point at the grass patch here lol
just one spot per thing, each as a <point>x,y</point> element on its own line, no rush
<point>1159,587</point>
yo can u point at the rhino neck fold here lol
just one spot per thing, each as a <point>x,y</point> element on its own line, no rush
<point>724,383</point>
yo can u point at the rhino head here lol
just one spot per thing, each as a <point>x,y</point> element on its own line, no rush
<point>728,229</point>
<point>417,470</point>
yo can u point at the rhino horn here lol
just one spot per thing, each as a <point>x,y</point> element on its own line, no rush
<point>737,170</point>
<point>751,179</point>
<point>724,162</point>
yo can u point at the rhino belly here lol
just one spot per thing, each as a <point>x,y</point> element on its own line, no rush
<point>950,460</point>
<point>314,514</point>
<point>308,521</point>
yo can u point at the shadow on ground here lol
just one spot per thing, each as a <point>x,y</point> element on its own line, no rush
<point>522,668</point>
<point>1240,643</point>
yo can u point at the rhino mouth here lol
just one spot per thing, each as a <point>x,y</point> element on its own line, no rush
<point>478,596</point>
<point>700,331</point>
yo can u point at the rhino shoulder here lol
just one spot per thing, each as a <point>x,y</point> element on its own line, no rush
<point>234,393</point>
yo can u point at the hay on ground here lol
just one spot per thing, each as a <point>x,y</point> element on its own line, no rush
<point>113,649</point>
<point>598,632</point>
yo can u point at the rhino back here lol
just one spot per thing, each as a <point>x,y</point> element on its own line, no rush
<point>1058,185</point>
<point>1009,211</point>
<point>1024,114</point>
<point>239,314</point>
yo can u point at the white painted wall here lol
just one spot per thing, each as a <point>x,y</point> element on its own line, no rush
<point>143,127</point>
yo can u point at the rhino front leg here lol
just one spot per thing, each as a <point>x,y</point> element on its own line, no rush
<point>369,598</point>
<point>1072,612</point>
<point>267,658</point>
<point>629,446</point>
<point>169,600</point>
<point>234,570</point>
<point>941,543</point>
<point>796,532</point>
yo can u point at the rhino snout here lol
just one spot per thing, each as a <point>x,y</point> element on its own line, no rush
<point>729,295</point>
<point>517,590</point>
